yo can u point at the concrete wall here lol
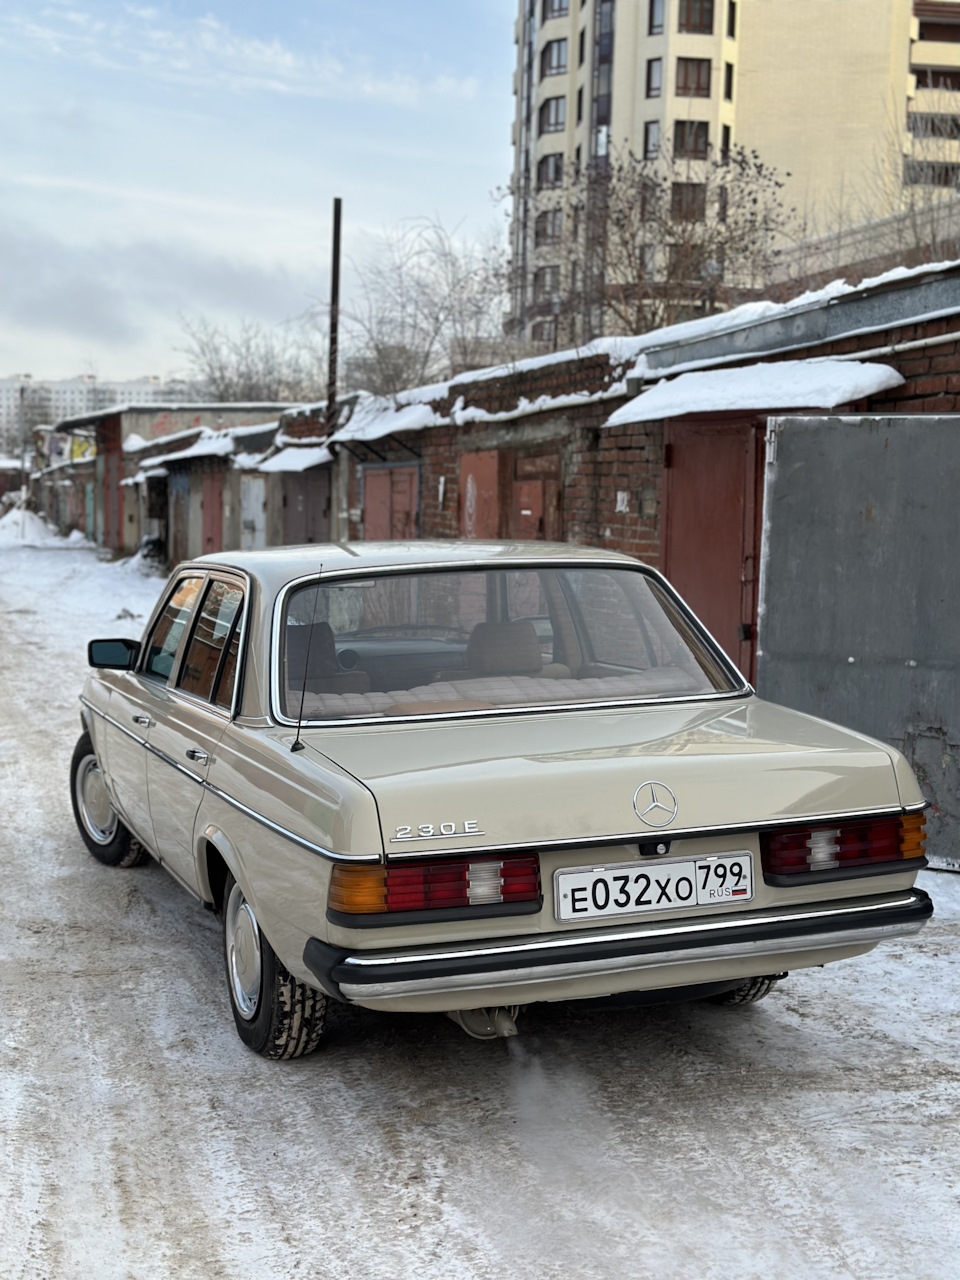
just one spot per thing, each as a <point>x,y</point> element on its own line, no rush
<point>860,590</point>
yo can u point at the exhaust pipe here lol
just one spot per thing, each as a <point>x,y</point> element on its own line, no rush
<point>487,1024</point>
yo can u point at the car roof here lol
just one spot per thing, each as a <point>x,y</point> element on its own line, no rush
<point>275,566</point>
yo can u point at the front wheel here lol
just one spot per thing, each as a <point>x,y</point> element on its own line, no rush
<point>276,1016</point>
<point>102,831</point>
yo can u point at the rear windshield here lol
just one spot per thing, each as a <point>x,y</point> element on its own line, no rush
<point>482,640</point>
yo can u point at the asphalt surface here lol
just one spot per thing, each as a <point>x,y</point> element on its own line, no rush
<point>812,1135</point>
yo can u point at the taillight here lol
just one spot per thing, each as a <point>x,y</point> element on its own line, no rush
<point>422,886</point>
<point>843,844</point>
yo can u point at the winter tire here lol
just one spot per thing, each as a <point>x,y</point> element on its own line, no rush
<point>748,992</point>
<point>276,1016</point>
<point>102,831</point>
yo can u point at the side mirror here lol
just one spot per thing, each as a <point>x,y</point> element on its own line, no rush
<point>117,655</point>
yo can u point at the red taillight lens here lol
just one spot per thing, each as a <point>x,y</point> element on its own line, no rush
<point>422,886</point>
<point>845,844</point>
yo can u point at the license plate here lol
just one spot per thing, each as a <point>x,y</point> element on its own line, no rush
<point>640,888</point>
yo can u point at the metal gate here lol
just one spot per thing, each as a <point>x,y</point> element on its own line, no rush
<point>859,589</point>
<point>253,512</point>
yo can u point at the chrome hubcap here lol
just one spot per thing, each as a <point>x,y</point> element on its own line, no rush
<point>243,953</point>
<point>93,801</point>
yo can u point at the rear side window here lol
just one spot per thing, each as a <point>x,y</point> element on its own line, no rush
<point>165,637</point>
<point>209,668</point>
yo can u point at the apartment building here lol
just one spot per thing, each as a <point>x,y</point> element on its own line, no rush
<point>853,102</point>
<point>46,401</point>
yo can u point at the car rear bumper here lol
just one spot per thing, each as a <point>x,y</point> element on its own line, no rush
<point>379,977</point>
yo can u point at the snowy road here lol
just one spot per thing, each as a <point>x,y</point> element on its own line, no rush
<point>814,1135</point>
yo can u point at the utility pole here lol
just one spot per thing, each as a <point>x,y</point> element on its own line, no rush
<point>23,457</point>
<point>334,319</point>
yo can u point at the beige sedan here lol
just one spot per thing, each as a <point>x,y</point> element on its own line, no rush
<point>465,777</point>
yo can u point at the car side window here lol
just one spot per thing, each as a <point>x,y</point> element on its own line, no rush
<point>165,637</point>
<point>209,668</point>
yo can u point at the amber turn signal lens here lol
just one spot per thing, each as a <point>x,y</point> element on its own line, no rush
<point>913,835</point>
<point>358,890</point>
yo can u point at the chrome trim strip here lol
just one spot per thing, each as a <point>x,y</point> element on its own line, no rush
<point>110,720</point>
<point>744,688</point>
<point>686,928</point>
<point>626,964</point>
<point>328,854</point>
<point>645,836</point>
<point>174,764</point>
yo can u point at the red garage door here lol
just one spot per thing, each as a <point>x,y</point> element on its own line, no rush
<point>390,503</point>
<point>711,527</point>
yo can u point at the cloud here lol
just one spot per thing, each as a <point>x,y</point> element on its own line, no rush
<point>206,50</point>
<point>117,296</point>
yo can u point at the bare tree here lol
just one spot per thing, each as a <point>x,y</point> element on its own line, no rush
<point>252,362</point>
<point>639,243</point>
<point>426,304</point>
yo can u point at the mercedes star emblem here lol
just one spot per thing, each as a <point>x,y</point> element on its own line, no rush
<point>655,803</point>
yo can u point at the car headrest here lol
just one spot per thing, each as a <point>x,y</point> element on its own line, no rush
<point>504,648</point>
<point>318,638</point>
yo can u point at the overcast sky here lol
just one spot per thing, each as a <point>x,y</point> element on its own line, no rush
<point>181,158</point>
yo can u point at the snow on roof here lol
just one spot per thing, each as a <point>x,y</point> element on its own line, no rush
<point>785,384</point>
<point>210,444</point>
<point>294,459</point>
<point>377,416</point>
<point>184,406</point>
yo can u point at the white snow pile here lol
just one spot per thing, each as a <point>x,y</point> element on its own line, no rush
<point>785,384</point>
<point>27,529</point>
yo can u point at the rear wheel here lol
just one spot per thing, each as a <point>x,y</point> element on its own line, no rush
<point>748,992</point>
<point>103,833</point>
<point>276,1015</point>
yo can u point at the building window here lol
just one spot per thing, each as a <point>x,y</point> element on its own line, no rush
<point>577,157</point>
<point>696,15</point>
<point>930,173</point>
<point>550,171</point>
<point>544,331</point>
<point>942,32</point>
<point>654,77</point>
<point>938,78</point>
<point>731,19</point>
<point>728,82</point>
<point>546,284</point>
<point>725,143</point>
<point>933,124</point>
<point>548,227</point>
<point>555,9</point>
<point>553,115</point>
<point>553,59</point>
<point>655,24</point>
<point>688,201</point>
<point>580,105</point>
<point>651,140</point>
<point>582,50</point>
<point>693,77</point>
<point>691,139</point>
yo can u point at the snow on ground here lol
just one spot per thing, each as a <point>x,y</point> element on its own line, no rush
<point>812,1137</point>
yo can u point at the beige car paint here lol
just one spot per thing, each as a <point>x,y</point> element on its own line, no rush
<point>542,777</point>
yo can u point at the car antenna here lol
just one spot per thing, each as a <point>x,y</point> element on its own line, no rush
<point>297,744</point>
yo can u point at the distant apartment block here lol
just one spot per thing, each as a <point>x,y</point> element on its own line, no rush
<point>45,402</point>
<point>855,101</point>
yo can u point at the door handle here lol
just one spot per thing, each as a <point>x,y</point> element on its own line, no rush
<point>198,757</point>
<point>144,720</point>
